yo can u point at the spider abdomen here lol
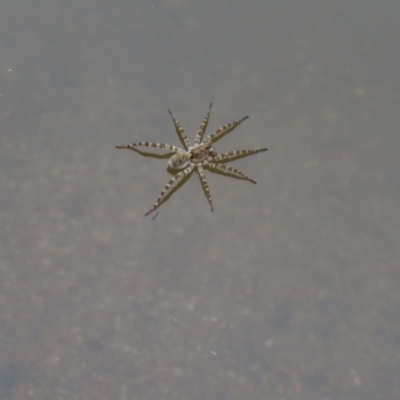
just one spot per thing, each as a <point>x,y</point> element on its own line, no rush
<point>179,160</point>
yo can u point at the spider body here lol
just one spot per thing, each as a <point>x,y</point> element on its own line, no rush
<point>201,152</point>
<point>180,160</point>
<point>198,157</point>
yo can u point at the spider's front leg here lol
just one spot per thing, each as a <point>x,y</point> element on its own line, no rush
<point>179,131</point>
<point>224,130</point>
<point>236,154</point>
<point>203,126</point>
<point>234,171</point>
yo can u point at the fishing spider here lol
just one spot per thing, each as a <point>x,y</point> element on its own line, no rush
<point>198,157</point>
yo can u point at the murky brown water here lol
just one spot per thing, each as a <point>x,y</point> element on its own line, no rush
<point>289,290</point>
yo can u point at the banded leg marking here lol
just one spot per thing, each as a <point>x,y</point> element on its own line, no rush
<point>167,187</point>
<point>203,126</point>
<point>203,180</point>
<point>179,131</point>
<point>237,153</point>
<point>165,146</point>
<point>224,130</point>
<point>232,170</point>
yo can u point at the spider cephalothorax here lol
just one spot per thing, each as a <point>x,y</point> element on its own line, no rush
<point>200,156</point>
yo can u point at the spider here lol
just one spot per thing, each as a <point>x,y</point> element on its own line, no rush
<point>198,157</point>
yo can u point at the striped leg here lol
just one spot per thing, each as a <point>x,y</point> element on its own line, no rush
<point>149,144</point>
<point>235,154</point>
<point>224,130</point>
<point>203,126</point>
<point>167,187</point>
<point>204,184</point>
<point>233,170</point>
<point>180,132</point>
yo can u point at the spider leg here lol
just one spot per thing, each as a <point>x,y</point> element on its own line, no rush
<point>203,126</point>
<point>167,187</point>
<point>180,132</point>
<point>233,170</point>
<point>224,130</point>
<point>236,154</point>
<point>165,146</point>
<point>204,184</point>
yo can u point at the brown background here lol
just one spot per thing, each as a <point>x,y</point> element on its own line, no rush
<point>289,290</point>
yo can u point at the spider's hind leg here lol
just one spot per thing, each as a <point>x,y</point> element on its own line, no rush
<point>167,187</point>
<point>132,146</point>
